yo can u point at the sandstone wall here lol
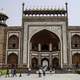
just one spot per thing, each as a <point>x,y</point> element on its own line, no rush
<point>2,45</point>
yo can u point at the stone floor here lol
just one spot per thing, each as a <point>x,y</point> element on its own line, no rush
<point>46,77</point>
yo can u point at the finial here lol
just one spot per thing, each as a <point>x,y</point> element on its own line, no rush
<point>23,3</point>
<point>66,4</point>
<point>23,6</point>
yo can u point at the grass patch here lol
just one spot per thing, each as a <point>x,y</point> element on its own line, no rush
<point>3,72</point>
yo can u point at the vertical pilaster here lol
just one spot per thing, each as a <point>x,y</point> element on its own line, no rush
<point>39,60</point>
<point>39,47</point>
<point>30,45</point>
<point>25,45</point>
<point>50,47</point>
<point>50,60</point>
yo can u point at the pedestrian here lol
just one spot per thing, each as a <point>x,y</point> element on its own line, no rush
<point>20,74</point>
<point>14,72</point>
<point>39,74</point>
<point>40,71</point>
<point>44,73</point>
<point>29,71</point>
<point>7,72</point>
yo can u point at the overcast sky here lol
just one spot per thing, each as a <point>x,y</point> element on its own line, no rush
<point>13,8</point>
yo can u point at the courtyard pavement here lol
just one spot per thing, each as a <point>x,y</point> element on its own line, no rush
<point>46,77</point>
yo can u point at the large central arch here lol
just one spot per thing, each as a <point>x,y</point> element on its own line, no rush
<point>45,37</point>
<point>44,42</point>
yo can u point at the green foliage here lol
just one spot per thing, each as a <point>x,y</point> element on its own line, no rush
<point>3,72</point>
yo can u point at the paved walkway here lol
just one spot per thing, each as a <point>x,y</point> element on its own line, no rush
<point>46,77</point>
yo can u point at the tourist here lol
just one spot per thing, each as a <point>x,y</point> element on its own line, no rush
<point>20,75</point>
<point>7,72</point>
<point>40,71</point>
<point>39,74</point>
<point>44,73</point>
<point>29,71</point>
<point>14,72</point>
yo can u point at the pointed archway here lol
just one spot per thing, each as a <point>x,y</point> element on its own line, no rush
<point>12,59</point>
<point>45,37</point>
<point>13,42</point>
<point>76,59</point>
<point>45,62</point>
<point>34,63</point>
<point>55,63</point>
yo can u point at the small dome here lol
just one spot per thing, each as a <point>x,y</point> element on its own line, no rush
<point>3,16</point>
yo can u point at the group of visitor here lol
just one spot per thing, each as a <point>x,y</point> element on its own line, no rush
<point>13,71</point>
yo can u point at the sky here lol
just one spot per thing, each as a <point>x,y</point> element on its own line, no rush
<point>13,9</point>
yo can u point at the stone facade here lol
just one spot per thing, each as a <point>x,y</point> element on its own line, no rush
<point>43,40</point>
<point>2,44</point>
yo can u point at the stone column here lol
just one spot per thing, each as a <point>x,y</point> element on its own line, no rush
<point>70,60</point>
<point>65,46</point>
<point>50,47</point>
<point>39,47</point>
<point>30,45</point>
<point>28,54</point>
<point>39,60</point>
<point>19,57</point>
<point>61,56</point>
<point>59,46</point>
<point>50,56</point>
<point>25,45</point>
<point>50,60</point>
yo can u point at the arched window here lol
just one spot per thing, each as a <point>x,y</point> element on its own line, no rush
<point>75,42</point>
<point>13,42</point>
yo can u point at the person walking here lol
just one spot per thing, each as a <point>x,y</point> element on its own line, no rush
<point>7,72</point>
<point>29,71</point>
<point>20,75</point>
<point>44,73</point>
<point>40,71</point>
<point>39,74</point>
<point>14,72</point>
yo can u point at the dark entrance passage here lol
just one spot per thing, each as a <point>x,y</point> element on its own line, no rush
<point>55,63</point>
<point>34,63</point>
<point>12,59</point>
<point>44,38</point>
<point>76,59</point>
<point>45,63</point>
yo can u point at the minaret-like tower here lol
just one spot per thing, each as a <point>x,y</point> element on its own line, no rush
<point>3,25</point>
